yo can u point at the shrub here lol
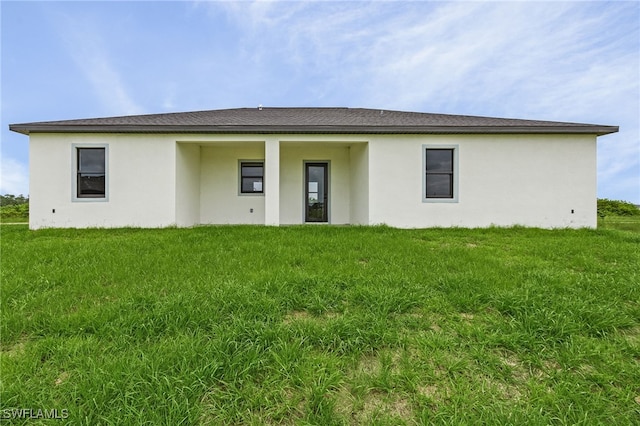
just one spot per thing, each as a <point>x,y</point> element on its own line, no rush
<point>15,211</point>
<point>608,207</point>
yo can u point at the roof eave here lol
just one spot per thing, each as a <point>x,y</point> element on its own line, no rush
<point>27,129</point>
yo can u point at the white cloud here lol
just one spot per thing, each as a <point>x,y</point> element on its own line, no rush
<point>89,52</point>
<point>484,57</point>
<point>454,56</point>
<point>14,177</point>
<point>565,61</point>
<point>260,15</point>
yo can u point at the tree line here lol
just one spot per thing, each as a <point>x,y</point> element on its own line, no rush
<point>13,200</point>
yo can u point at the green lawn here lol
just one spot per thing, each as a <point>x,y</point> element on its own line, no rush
<point>322,325</point>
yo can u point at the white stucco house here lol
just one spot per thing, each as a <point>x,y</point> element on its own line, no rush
<point>279,166</point>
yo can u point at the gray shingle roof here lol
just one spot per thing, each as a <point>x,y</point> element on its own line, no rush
<point>307,120</point>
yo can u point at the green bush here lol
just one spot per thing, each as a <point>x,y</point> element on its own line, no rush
<point>14,208</point>
<point>15,212</point>
<point>608,207</point>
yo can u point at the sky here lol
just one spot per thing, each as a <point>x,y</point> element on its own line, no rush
<point>560,61</point>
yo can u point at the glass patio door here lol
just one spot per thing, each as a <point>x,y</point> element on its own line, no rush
<point>316,192</point>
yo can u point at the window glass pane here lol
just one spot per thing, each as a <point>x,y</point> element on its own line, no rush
<point>316,180</point>
<point>252,170</point>
<point>91,160</point>
<point>91,173</point>
<point>91,185</point>
<point>439,186</point>
<point>439,160</point>
<point>251,177</point>
<point>251,184</point>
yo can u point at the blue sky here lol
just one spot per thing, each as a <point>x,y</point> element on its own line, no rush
<point>563,61</point>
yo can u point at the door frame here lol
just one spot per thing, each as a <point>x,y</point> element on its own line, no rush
<point>305,189</point>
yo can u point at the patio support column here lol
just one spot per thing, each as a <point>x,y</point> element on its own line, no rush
<point>272,182</point>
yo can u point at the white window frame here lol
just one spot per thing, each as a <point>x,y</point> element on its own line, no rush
<point>456,192</point>
<point>74,173</point>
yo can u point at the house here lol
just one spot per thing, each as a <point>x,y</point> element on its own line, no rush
<point>280,166</point>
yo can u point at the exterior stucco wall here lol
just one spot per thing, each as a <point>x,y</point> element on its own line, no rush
<point>187,184</point>
<point>292,158</point>
<point>359,191</point>
<point>141,178</point>
<point>546,181</point>
<point>160,180</point>
<point>220,198</point>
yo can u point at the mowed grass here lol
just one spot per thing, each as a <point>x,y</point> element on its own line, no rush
<point>322,325</point>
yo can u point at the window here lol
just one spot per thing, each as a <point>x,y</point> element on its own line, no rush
<point>251,177</point>
<point>440,174</point>
<point>91,171</point>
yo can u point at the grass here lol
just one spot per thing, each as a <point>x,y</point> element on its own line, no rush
<point>624,223</point>
<point>14,220</point>
<point>322,325</point>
